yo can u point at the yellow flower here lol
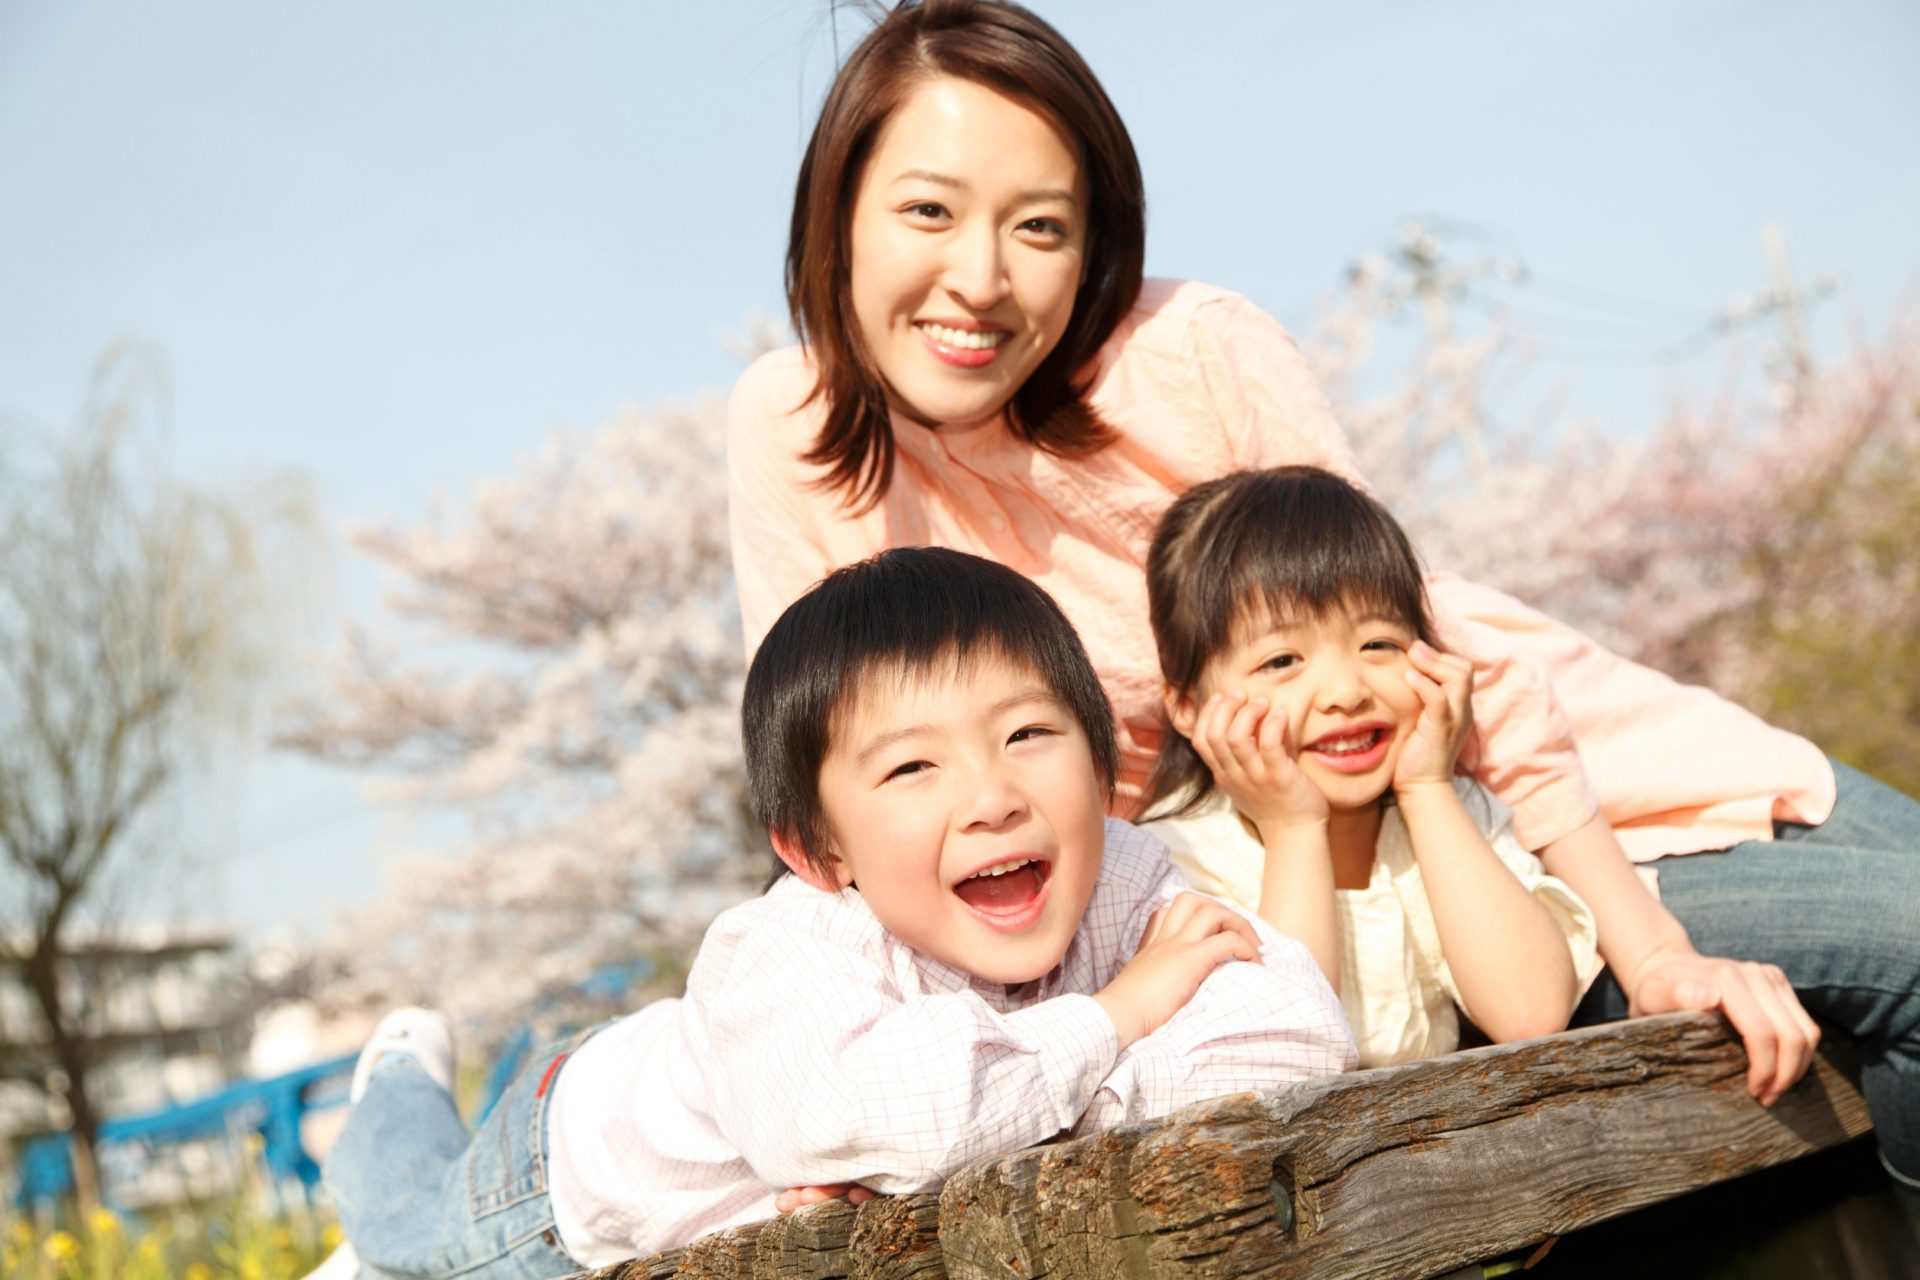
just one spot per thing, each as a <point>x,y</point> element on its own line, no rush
<point>282,1238</point>
<point>250,1268</point>
<point>199,1271</point>
<point>102,1222</point>
<point>331,1235</point>
<point>22,1233</point>
<point>60,1246</point>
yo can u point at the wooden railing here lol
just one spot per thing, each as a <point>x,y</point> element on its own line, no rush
<point>1404,1171</point>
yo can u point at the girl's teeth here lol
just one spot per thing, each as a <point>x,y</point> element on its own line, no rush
<point>1347,746</point>
<point>966,339</point>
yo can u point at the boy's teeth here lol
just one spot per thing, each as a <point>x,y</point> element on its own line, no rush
<point>969,339</point>
<point>1000,868</point>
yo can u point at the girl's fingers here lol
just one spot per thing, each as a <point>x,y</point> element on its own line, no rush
<point>1272,738</point>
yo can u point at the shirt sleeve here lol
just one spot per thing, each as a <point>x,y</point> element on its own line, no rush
<point>1249,1026</point>
<point>1274,415</point>
<point>870,1086</point>
<point>777,554</point>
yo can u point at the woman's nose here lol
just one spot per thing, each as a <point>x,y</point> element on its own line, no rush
<point>976,272</point>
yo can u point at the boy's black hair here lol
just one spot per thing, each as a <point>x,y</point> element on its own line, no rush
<point>1291,542</point>
<point>905,611</point>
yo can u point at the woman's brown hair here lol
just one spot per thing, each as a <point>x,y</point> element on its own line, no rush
<point>1005,48</point>
<point>1287,543</point>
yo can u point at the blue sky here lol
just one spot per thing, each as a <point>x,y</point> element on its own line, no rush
<point>389,247</point>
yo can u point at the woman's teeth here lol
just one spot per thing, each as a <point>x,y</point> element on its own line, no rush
<point>1000,868</point>
<point>966,339</point>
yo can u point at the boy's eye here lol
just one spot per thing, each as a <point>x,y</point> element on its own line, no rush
<point>1384,645</point>
<point>1030,731</point>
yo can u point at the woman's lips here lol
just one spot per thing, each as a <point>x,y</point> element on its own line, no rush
<point>963,348</point>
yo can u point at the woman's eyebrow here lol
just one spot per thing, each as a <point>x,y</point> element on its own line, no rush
<point>939,179</point>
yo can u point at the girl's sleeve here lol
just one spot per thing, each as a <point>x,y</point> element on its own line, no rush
<point>1274,414</point>
<point>818,1071</point>
<point>777,554</point>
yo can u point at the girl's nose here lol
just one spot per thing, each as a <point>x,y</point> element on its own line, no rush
<point>976,271</point>
<point>1342,689</point>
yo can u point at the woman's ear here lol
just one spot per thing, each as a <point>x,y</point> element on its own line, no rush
<point>1181,711</point>
<point>835,877</point>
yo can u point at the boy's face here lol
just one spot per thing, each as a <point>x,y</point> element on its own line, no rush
<point>965,807</point>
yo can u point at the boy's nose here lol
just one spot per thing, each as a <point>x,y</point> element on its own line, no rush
<point>993,801</point>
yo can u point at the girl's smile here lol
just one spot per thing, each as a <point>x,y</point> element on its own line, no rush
<point>967,238</point>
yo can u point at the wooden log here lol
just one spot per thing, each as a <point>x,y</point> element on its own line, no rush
<point>807,1244</point>
<point>723,1255</point>
<point>897,1238</point>
<point>1403,1171</point>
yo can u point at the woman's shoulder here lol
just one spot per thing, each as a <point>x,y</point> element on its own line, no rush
<point>1168,314</point>
<point>772,391</point>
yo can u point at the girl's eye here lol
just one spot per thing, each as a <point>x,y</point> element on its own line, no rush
<point>1279,662</point>
<point>904,770</point>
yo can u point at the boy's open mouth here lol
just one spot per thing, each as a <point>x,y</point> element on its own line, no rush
<point>1006,891</point>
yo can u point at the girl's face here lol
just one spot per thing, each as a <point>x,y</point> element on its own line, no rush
<point>1340,682</point>
<point>968,240</point>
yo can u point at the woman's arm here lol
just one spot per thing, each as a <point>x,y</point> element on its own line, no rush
<point>1656,964</point>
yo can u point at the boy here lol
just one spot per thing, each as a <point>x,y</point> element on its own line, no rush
<point>961,956</point>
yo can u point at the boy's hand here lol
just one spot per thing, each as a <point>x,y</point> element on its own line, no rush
<point>1445,685</point>
<point>1183,943</point>
<point>799,1197</point>
<point>1244,742</point>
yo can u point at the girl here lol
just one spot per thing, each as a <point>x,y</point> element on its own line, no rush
<point>983,368</point>
<point>1310,775</point>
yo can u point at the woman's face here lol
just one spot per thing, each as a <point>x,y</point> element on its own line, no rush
<point>968,240</point>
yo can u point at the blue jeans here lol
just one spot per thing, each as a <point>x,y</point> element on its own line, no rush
<point>418,1198</point>
<point>1837,907</point>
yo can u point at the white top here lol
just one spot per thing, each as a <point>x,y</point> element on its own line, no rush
<point>1395,986</point>
<point>814,1047</point>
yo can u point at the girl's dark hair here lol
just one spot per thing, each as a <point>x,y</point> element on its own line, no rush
<point>1007,49</point>
<point>910,611</point>
<point>1287,543</point>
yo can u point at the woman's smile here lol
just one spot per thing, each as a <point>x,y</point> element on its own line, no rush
<point>968,238</point>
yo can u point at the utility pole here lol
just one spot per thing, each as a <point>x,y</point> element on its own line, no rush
<point>1785,300</point>
<point>1416,271</point>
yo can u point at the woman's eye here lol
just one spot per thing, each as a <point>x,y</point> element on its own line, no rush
<point>926,210</point>
<point>1048,227</point>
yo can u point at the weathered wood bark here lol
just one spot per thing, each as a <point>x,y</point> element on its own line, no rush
<point>1404,1171</point>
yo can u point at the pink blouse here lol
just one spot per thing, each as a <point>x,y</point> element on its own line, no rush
<point>1199,382</point>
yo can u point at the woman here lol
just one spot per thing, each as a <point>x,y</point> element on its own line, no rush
<point>984,369</point>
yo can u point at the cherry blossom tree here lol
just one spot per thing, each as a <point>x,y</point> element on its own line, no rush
<point>566,679</point>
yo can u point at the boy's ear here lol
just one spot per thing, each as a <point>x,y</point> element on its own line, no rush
<point>837,877</point>
<point>1181,711</point>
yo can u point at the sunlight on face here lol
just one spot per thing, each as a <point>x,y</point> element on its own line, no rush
<point>966,809</point>
<point>968,241</point>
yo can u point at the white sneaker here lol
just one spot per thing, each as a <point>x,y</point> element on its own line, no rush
<point>342,1264</point>
<point>422,1035</point>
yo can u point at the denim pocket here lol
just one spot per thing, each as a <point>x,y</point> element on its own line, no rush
<point>509,1160</point>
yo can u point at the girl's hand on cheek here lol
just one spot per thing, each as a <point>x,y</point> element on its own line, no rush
<point>1244,742</point>
<point>1445,685</point>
